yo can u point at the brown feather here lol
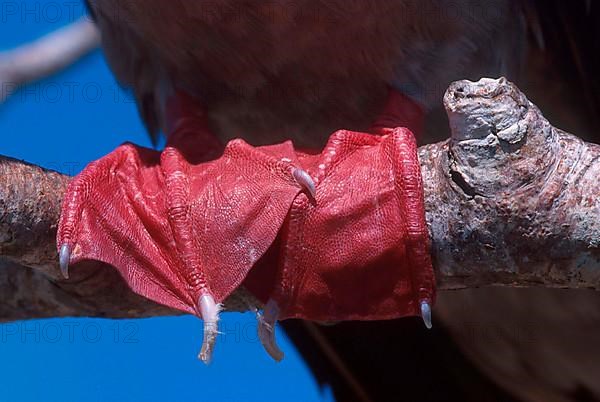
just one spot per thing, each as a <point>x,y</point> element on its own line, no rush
<point>273,70</point>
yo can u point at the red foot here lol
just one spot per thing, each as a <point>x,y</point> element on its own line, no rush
<point>175,230</point>
<point>185,230</point>
<point>359,250</point>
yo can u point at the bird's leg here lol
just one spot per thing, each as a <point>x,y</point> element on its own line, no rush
<point>357,176</point>
<point>184,226</point>
<point>400,111</point>
<point>185,119</point>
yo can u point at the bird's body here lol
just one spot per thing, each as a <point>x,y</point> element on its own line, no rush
<point>338,234</point>
<point>268,71</point>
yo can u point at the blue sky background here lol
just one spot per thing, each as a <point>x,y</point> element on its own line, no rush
<point>63,123</point>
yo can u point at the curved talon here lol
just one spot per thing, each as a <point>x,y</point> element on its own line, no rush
<point>305,181</point>
<point>426,314</point>
<point>266,330</point>
<point>64,257</point>
<point>209,310</point>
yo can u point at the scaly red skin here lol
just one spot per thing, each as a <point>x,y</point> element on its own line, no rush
<point>187,226</point>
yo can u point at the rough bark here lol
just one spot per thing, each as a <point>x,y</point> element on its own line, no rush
<point>510,200</point>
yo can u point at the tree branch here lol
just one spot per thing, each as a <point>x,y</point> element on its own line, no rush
<point>46,56</point>
<point>510,200</point>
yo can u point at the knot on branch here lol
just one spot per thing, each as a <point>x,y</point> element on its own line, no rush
<point>521,197</point>
<point>500,141</point>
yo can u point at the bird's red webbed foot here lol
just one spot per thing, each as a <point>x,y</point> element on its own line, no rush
<point>182,229</point>
<point>345,228</point>
<point>359,248</point>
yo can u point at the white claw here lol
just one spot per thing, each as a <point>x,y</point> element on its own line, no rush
<point>266,329</point>
<point>209,310</point>
<point>64,257</point>
<point>426,314</point>
<point>305,181</point>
